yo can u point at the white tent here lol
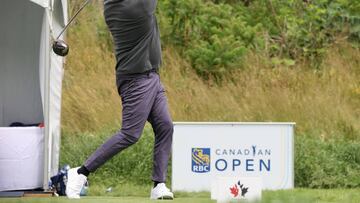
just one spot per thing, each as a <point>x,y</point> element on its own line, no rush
<point>30,92</point>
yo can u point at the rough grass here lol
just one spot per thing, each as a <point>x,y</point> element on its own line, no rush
<point>286,196</point>
<point>323,102</point>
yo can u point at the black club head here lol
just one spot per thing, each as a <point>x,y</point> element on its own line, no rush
<point>60,47</point>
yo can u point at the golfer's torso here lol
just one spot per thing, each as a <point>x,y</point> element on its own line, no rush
<point>133,26</point>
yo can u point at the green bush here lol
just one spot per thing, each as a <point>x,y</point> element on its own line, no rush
<point>326,164</point>
<point>300,30</point>
<point>216,34</point>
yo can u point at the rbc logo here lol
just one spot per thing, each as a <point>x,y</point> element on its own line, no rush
<point>200,160</point>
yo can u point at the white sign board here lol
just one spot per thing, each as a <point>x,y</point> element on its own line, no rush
<point>202,152</point>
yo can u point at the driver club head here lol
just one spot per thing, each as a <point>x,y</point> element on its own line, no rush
<point>60,47</point>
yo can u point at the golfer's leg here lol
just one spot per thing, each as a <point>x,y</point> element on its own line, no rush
<point>163,128</point>
<point>137,99</point>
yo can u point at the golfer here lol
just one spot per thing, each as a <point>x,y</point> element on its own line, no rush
<point>134,28</point>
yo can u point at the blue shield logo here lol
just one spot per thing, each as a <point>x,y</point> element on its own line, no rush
<point>200,160</point>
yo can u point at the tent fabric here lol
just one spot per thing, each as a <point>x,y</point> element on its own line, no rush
<point>43,3</point>
<point>51,93</point>
<point>31,74</point>
<point>19,76</point>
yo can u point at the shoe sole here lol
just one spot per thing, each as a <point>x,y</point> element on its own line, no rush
<point>165,198</point>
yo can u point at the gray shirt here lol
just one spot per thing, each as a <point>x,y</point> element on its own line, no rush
<point>134,28</point>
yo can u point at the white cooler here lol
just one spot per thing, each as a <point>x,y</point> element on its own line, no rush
<point>21,158</point>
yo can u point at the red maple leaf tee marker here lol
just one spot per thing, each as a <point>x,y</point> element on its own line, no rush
<point>234,190</point>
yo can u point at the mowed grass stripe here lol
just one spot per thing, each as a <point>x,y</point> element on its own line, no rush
<point>284,196</point>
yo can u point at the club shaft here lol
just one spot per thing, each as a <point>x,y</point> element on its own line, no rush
<point>72,19</point>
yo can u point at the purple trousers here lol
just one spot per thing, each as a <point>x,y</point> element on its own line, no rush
<point>143,99</point>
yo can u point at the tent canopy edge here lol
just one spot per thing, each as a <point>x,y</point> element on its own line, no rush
<point>42,3</point>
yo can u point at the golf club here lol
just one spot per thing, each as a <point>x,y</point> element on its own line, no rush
<point>59,46</point>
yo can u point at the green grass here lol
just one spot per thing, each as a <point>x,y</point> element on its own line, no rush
<point>103,200</point>
<point>319,163</point>
<point>285,196</point>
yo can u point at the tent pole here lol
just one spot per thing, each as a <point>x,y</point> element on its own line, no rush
<point>46,105</point>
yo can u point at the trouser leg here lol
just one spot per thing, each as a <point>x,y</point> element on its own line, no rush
<point>163,128</point>
<point>138,96</point>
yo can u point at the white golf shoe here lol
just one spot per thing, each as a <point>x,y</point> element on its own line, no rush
<point>161,192</point>
<point>75,182</point>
